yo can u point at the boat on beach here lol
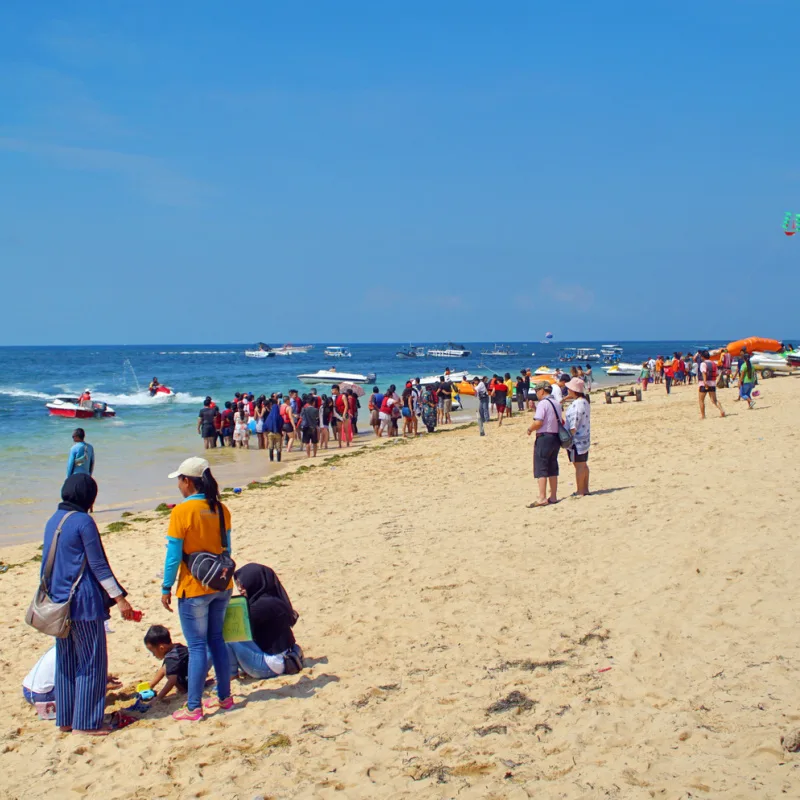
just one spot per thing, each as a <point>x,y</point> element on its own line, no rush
<point>544,370</point>
<point>411,352</point>
<point>500,350</point>
<point>334,351</point>
<point>331,376</point>
<point>69,406</point>
<point>450,350</point>
<point>622,369</point>
<point>454,377</point>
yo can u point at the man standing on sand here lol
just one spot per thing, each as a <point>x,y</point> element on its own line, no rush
<point>205,424</point>
<point>81,455</point>
<point>482,393</point>
<point>547,444</point>
<point>707,384</point>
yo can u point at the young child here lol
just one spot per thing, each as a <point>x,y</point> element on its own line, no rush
<point>175,658</point>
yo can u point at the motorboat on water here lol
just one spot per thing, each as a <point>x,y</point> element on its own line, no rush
<point>587,354</point>
<point>331,376</point>
<point>543,370</point>
<point>161,391</point>
<point>292,349</point>
<point>335,351</point>
<point>70,406</point>
<point>411,352</point>
<point>623,369</point>
<point>450,350</point>
<point>453,377</point>
<point>499,350</point>
<point>262,351</point>
<point>567,356</point>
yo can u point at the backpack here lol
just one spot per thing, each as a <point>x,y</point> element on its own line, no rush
<point>211,569</point>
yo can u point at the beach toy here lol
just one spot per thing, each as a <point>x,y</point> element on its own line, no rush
<point>139,707</point>
<point>149,694</point>
<point>756,393</point>
<point>144,686</point>
<point>237,491</point>
<point>137,616</point>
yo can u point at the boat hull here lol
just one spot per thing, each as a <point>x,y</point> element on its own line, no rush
<point>78,413</point>
<point>326,377</point>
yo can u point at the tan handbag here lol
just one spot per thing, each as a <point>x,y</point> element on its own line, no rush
<point>43,614</point>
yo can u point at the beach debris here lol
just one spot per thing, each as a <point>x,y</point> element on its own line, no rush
<point>596,634</point>
<point>604,669</point>
<point>491,729</point>
<point>276,740</point>
<point>435,742</point>
<point>542,726</point>
<point>530,666</point>
<point>513,699</point>
<point>791,741</point>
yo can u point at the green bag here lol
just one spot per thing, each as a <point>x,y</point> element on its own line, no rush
<point>236,627</point>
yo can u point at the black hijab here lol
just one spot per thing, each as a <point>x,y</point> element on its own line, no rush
<point>78,493</point>
<point>271,614</point>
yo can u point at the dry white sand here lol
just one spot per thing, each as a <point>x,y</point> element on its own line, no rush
<point>651,630</point>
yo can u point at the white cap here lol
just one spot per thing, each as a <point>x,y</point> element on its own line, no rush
<point>192,468</point>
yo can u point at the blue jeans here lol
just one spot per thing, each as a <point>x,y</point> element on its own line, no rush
<point>201,622</point>
<point>745,389</point>
<point>250,658</point>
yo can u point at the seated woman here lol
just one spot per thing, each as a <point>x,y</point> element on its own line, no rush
<point>273,650</point>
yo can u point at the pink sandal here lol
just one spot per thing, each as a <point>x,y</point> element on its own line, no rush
<point>214,702</point>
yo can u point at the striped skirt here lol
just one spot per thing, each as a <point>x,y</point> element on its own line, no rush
<point>81,675</point>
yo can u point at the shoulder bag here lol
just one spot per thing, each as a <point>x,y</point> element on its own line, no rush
<point>44,614</point>
<point>213,570</point>
<point>564,436</point>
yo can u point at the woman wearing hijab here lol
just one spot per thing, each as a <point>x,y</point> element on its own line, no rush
<point>81,570</point>
<point>273,650</point>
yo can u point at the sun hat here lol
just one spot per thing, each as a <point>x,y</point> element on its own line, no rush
<point>576,385</point>
<point>191,468</point>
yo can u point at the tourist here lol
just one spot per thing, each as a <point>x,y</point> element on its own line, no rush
<point>429,412</point>
<point>707,384</point>
<point>374,405</point>
<point>201,609</point>
<point>482,393</point>
<point>659,370</point>
<point>416,406</point>
<point>81,455</point>
<point>260,414</point>
<point>241,431</point>
<point>273,650</point>
<point>678,372</point>
<point>445,395</point>
<point>545,450</point>
<point>82,577</point>
<point>153,387</point>
<point>499,395</point>
<point>669,375</point>
<point>521,393</point>
<point>354,405</point>
<point>747,379</point>
<point>509,393</point>
<point>385,412</point>
<point>205,424</point>
<point>341,412</point>
<point>578,424</point>
<point>273,426</point>
<point>289,423</point>
<point>226,428</point>
<point>644,376</point>
<point>309,426</point>
<point>85,400</point>
<point>526,377</point>
<point>407,409</point>
<point>325,414</point>
<point>726,363</point>
<point>174,658</point>
<point>558,390</point>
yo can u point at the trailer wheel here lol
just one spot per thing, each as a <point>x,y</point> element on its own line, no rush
<point>767,373</point>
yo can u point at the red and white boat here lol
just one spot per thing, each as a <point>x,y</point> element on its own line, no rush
<point>69,406</point>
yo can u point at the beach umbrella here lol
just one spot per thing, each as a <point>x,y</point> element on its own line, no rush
<point>346,385</point>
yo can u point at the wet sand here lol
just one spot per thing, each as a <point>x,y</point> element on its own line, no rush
<point>637,643</point>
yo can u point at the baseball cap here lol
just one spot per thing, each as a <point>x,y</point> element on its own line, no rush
<point>192,468</point>
<point>544,385</point>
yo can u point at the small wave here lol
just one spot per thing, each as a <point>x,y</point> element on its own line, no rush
<point>207,352</point>
<point>12,392</point>
<point>144,399</point>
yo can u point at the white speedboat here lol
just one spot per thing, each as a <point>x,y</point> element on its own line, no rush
<point>623,369</point>
<point>546,371</point>
<point>411,352</point>
<point>453,377</point>
<point>262,351</point>
<point>499,350</point>
<point>292,349</point>
<point>450,350</point>
<point>331,376</point>
<point>586,354</point>
<point>337,352</point>
<point>770,363</point>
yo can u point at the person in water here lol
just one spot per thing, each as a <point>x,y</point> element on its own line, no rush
<point>273,650</point>
<point>154,384</point>
<point>81,455</point>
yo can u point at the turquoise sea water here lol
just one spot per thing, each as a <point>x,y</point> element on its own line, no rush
<point>150,436</point>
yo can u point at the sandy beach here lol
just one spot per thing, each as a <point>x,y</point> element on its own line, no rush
<point>638,643</point>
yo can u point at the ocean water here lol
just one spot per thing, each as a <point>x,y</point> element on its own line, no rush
<point>150,436</point>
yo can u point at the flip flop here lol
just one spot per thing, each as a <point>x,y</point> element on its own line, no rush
<point>537,504</point>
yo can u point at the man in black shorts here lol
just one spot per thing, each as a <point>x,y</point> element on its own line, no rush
<point>309,425</point>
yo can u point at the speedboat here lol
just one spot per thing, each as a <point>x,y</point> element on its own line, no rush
<point>567,356</point>
<point>263,351</point>
<point>411,352</point>
<point>499,350</point>
<point>337,352</point>
<point>292,349</point>
<point>331,376</point>
<point>586,354</point>
<point>450,350</point>
<point>793,357</point>
<point>770,363</point>
<point>623,369</point>
<point>543,370</point>
<point>453,377</point>
<point>69,406</point>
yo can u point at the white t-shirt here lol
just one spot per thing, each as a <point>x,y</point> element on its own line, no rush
<point>557,394</point>
<point>42,678</point>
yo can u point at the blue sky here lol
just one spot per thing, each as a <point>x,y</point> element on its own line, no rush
<point>362,171</point>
